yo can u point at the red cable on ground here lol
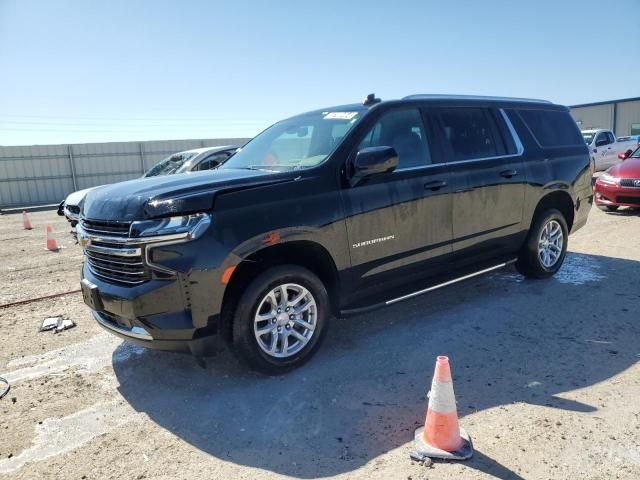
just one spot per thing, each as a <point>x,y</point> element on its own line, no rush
<point>37,299</point>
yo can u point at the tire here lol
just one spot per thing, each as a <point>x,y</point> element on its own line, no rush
<point>256,300</point>
<point>529,263</point>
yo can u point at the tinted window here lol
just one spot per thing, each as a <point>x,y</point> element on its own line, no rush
<point>611,138</point>
<point>213,161</point>
<point>602,139</point>
<point>404,131</point>
<point>469,133</point>
<point>552,128</point>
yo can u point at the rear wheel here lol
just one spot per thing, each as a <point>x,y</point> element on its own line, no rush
<point>280,319</point>
<point>546,245</point>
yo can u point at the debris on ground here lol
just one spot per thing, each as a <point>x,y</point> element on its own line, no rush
<point>421,459</point>
<point>6,388</point>
<point>57,324</point>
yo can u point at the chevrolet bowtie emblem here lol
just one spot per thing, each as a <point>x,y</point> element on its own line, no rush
<point>84,241</point>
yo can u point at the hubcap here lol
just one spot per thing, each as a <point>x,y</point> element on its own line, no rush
<point>550,244</point>
<point>285,320</point>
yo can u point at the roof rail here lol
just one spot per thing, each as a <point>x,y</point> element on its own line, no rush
<point>427,96</point>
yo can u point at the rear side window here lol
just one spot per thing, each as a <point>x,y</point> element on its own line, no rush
<point>470,133</point>
<point>552,128</point>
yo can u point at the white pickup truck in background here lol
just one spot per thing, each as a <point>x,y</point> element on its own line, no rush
<point>604,148</point>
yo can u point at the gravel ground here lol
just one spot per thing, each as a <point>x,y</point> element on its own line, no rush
<point>546,377</point>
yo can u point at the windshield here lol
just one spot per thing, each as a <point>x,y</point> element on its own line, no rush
<point>588,137</point>
<point>170,165</point>
<point>635,154</point>
<point>297,143</point>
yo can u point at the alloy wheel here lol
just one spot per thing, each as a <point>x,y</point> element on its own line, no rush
<point>550,244</point>
<point>285,320</point>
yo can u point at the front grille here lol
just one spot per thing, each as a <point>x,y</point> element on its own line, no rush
<point>631,200</point>
<point>111,260</point>
<point>106,228</point>
<point>630,182</point>
<point>114,268</point>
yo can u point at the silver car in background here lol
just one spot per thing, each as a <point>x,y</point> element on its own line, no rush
<point>195,160</point>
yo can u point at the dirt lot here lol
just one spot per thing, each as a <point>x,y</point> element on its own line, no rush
<point>546,376</point>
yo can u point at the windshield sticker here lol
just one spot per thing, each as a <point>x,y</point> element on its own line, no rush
<point>340,115</point>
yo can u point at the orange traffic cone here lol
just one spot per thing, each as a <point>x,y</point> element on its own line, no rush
<point>52,245</point>
<point>26,224</point>
<point>441,436</point>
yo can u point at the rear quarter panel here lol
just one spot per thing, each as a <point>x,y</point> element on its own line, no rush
<point>553,169</point>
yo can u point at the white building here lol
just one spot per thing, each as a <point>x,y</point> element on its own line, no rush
<point>621,116</point>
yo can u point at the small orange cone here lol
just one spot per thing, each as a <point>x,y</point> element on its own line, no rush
<point>52,245</point>
<point>26,224</point>
<point>441,436</point>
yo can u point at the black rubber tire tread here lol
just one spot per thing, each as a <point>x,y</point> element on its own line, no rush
<point>244,343</point>
<point>528,263</point>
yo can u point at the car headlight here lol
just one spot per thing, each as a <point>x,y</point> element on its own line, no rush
<point>606,178</point>
<point>192,225</point>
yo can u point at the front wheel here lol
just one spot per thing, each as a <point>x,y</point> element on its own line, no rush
<point>546,245</point>
<point>281,319</point>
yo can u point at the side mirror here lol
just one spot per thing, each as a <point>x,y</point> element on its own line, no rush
<point>622,156</point>
<point>372,161</point>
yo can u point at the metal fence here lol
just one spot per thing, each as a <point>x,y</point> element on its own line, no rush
<point>45,174</point>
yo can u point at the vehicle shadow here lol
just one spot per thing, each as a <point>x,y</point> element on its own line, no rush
<point>625,212</point>
<point>509,340</point>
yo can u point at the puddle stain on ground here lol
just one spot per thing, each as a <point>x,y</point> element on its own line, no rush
<point>57,435</point>
<point>576,270</point>
<point>89,356</point>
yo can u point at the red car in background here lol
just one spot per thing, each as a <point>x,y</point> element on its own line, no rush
<point>619,186</point>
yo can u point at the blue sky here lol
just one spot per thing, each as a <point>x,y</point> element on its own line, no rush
<point>84,71</point>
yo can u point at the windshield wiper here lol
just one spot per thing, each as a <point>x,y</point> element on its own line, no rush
<point>259,169</point>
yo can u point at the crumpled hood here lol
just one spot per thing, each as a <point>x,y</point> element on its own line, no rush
<point>163,196</point>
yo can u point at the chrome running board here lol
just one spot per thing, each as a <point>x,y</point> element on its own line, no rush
<point>428,289</point>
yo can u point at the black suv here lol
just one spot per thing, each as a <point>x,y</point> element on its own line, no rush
<point>333,212</point>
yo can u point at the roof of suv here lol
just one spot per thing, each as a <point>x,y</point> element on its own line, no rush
<point>481,98</point>
<point>359,107</point>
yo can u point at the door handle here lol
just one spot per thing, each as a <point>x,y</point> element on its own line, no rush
<point>508,173</point>
<point>435,185</point>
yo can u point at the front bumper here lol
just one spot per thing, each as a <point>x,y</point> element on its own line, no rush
<point>615,195</point>
<point>200,347</point>
<point>157,314</point>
